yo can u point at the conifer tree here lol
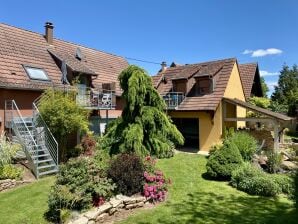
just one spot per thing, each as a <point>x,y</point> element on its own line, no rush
<point>144,127</point>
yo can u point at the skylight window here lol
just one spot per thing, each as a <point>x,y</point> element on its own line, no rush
<point>36,73</point>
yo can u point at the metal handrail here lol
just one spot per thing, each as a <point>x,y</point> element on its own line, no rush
<point>173,99</point>
<point>22,127</point>
<point>50,141</point>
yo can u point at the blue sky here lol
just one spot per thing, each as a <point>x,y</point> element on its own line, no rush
<point>181,31</point>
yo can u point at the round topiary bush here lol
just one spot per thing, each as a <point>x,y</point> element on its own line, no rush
<point>222,162</point>
<point>127,172</point>
<point>246,144</point>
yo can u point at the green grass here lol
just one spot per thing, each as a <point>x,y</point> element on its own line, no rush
<point>25,204</point>
<point>192,199</point>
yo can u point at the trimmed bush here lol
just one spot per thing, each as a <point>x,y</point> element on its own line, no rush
<point>127,170</point>
<point>255,181</point>
<point>222,162</point>
<point>246,144</point>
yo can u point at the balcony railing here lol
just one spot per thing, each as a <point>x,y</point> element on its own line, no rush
<point>173,99</point>
<point>96,99</point>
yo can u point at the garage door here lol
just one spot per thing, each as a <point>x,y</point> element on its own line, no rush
<point>189,127</point>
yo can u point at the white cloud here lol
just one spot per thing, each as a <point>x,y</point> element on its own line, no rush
<point>266,73</point>
<point>262,52</point>
<point>271,86</point>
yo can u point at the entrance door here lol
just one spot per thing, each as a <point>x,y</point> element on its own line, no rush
<point>189,128</point>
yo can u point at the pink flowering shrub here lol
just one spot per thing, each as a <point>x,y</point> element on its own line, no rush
<point>156,185</point>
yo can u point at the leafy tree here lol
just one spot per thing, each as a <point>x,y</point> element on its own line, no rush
<point>262,102</point>
<point>286,92</point>
<point>63,117</point>
<point>144,127</point>
<point>264,86</point>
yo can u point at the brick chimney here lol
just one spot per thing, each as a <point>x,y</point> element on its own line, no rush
<point>49,32</point>
<point>163,66</point>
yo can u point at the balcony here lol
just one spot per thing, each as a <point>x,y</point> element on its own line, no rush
<point>173,99</point>
<point>91,98</point>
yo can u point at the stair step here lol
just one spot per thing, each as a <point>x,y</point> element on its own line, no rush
<point>46,166</point>
<point>48,172</point>
<point>44,161</point>
<point>41,155</point>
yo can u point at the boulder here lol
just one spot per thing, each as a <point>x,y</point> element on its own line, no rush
<point>288,165</point>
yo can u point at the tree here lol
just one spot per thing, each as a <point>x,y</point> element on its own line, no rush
<point>264,86</point>
<point>63,117</point>
<point>285,94</point>
<point>144,127</point>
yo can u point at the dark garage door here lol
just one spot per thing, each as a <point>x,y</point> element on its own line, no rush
<point>189,127</point>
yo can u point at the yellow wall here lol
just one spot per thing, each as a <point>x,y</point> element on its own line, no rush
<point>210,127</point>
<point>235,90</point>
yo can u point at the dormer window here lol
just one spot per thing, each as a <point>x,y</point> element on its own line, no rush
<point>204,85</point>
<point>36,73</point>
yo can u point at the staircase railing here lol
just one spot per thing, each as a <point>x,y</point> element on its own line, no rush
<point>45,136</point>
<point>17,123</point>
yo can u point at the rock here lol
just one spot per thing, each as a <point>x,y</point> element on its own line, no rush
<point>140,199</point>
<point>120,206</point>
<point>288,165</point>
<point>81,220</point>
<point>112,211</point>
<point>92,214</point>
<point>91,222</point>
<point>130,206</point>
<point>101,217</point>
<point>103,208</point>
<point>122,197</point>
<point>140,204</point>
<point>115,202</point>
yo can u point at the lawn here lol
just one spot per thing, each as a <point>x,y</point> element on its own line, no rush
<point>192,199</point>
<point>25,204</point>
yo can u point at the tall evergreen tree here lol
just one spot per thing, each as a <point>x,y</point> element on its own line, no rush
<point>264,86</point>
<point>144,127</point>
<point>285,94</point>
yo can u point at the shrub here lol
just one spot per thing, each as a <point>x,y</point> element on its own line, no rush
<point>80,183</point>
<point>296,189</point>
<point>9,171</point>
<point>7,150</point>
<point>285,183</point>
<point>127,170</point>
<point>246,144</point>
<point>156,185</point>
<point>222,162</point>
<point>214,148</point>
<point>102,159</point>
<point>88,144</point>
<point>274,161</point>
<point>254,181</point>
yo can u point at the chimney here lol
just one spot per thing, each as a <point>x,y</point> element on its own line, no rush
<point>49,32</point>
<point>163,66</point>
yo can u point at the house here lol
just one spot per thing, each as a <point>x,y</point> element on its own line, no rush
<point>31,63</point>
<point>205,98</point>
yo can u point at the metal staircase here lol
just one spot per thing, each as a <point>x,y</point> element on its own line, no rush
<point>38,143</point>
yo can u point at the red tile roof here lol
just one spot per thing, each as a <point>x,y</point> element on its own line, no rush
<point>247,74</point>
<point>221,69</point>
<point>21,47</point>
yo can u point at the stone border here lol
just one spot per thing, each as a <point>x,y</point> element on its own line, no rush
<point>118,203</point>
<point>11,183</point>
